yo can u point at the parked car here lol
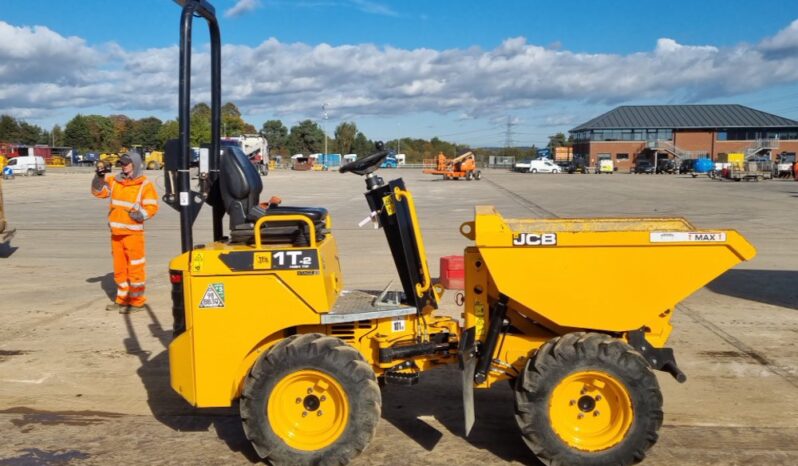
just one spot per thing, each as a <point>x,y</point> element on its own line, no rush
<point>686,166</point>
<point>666,166</point>
<point>522,166</point>
<point>576,166</point>
<point>643,166</point>
<point>27,165</point>
<point>543,166</point>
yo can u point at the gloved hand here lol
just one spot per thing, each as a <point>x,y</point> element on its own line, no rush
<point>136,215</point>
<point>101,168</point>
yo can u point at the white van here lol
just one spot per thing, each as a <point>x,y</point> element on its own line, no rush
<point>27,165</point>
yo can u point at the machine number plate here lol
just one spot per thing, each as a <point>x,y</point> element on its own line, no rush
<point>398,324</point>
<point>281,259</point>
<point>295,259</point>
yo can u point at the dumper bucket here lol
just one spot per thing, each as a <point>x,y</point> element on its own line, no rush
<point>610,274</point>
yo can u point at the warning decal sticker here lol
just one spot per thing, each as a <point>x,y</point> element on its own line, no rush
<point>214,296</point>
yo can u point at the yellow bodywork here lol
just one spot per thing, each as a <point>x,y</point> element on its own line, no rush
<point>607,275</point>
<point>154,160</point>
<point>560,275</point>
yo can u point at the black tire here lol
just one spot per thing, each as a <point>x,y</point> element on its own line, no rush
<point>29,172</point>
<point>533,170</point>
<point>469,176</point>
<point>478,175</point>
<point>565,357</point>
<point>334,359</point>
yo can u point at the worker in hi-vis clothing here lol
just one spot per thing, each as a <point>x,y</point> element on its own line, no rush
<point>133,201</point>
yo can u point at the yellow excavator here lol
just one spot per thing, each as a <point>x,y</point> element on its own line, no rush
<point>262,316</point>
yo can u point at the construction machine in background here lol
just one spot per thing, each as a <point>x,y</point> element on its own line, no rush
<point>262,316</point>
<point>255,147</point>
<point>463,166</point>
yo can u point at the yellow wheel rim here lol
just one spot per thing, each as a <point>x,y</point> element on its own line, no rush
<point>591,410</point>
<point>308,409</point>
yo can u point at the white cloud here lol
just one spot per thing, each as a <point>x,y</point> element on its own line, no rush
<point>241,7</point>
<point>42,71</point>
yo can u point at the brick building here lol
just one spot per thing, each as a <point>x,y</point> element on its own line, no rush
<point>682,131</point>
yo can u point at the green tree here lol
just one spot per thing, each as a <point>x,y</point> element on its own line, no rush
<point>232,123</point>
<point>102,134</point>
<point>306,138</point>
<point>200,124</point>
<point>30,134</point>
<point>145,132</point>
<point>122,137</point>
<point>361,145</point>
<point>345,135</point>
<point>76,134</point>
<point>277,136</point>
<point>9,128</point>
<point>58,136</point>
<point>557,140</point>
<point>169,130</point>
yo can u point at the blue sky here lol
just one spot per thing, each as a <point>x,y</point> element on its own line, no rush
<point>457,70</point>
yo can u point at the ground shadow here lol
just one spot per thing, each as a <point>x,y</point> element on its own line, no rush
<point>6,250</point>
<point>107,283</point>
<point>166,405</point>
<point>439,395</point>
<point>776,287</point>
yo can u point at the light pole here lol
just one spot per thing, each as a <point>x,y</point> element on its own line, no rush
<point>324,125</point>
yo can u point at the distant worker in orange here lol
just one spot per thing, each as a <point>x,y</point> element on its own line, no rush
<point>133,201</point>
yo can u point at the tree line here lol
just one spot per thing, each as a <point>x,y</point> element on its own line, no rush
<point>111,133</point>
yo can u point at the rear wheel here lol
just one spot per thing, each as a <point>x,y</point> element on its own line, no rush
<point>311,399</point>
<point>477,175</point>
<point>469,176</point>
<point>588,399</point>
<point>534,170</point>
<point>30,172</point>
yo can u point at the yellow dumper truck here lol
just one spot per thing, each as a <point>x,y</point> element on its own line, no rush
<point>261,314</point>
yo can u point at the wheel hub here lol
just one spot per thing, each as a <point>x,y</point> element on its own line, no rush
<point>586,403</point>
<point>311,402</point>
<point>308,409</point>
<point>591,410</point>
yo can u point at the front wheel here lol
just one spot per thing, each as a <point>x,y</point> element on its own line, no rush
<point>588,399</point>
<point>310,400</point>
<point>477,175</point>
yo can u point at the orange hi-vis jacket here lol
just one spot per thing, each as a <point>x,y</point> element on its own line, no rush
<point>127,195</point>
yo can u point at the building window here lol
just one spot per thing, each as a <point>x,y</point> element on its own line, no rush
<point>722,135</point>
<point>621,157</point>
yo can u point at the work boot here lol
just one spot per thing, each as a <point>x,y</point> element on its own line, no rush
<point>116,307</point>
<point>132,309</point>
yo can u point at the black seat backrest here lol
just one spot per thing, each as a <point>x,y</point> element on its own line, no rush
<point>240,185</point>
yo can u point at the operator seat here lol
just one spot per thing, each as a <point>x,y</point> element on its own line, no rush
<point>240,187</point>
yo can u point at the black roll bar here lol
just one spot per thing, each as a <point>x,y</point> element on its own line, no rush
<point>198,8</point>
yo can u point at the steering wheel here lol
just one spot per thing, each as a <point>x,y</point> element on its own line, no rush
<point>367,164</point>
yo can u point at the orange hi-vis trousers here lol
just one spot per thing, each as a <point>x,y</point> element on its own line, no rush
<point>129,273</point>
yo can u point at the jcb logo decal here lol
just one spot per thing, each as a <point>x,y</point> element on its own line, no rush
<point>535,239</point>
